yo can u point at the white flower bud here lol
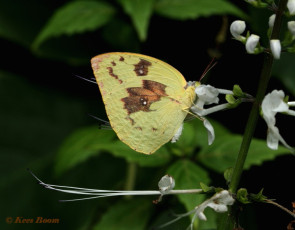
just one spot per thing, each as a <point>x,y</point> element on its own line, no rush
<point>166,184</point>
<point>291,6</point>
<point>237,28</point>
<point>271,20</point>
<point>251,43</point>
<point>291,27</point>
<point>275,46</point>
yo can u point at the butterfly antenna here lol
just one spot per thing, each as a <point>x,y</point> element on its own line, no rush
<point>92,80</point>
<point>105,125</point>
<point>208,68</point>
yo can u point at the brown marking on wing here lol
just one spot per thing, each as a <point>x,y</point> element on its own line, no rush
<point>121,59</point>
<point>130,119</point>
<point>141,68</point>
<point>111,73</point>
<point>113,63</point>
<point>154,129</point>
<point>139,128</point>
<point>141,98</point>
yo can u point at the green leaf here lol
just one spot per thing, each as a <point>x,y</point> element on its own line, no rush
<point>160,157</point>
<point>126,214</point>
<point>283,70</point>
<point>188,175</point>
<point>90,141</point>
<point>192,9</point>
<point>81,145</point>
<point>75,17</point>
<point>223,152</point>
<point>140,13</point>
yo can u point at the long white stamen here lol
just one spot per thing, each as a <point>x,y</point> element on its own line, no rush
<point>98,193</point>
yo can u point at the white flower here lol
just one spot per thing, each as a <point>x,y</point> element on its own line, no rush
<point>237,28</point>
<point>291,6</point>
<point>271,105</point>
<point>291,27</point>
<point>207,95</point>
<point>271,20</point>
<point>218,203</point>
<point>275,47</point>
<point>166,184</point>
<point>251,43</point>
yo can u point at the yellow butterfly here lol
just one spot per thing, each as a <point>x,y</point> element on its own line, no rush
<point>146,99</point>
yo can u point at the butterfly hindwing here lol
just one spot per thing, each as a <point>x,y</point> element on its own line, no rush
<point>145,98</point>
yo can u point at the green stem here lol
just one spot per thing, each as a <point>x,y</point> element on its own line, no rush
<point>130,177</point>
<point>227,223</point>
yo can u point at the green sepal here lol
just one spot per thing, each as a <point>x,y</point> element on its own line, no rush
<point>230,99</point>
<point>238,91</point>
<point>205,187</point>
<point>259,197</point>
<point>242,196</point>
<point>286,99</point>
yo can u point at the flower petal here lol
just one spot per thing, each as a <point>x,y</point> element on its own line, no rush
<point>207,94</point>
<point>291,6</point>
<point>251,43</point>
<point>210,129</point>
<point>237,28</point>
<point>275,47</point>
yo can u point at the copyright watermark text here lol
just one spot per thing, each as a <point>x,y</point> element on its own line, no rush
<point>36,220</point>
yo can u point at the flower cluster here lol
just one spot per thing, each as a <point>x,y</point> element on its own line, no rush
<point>251,41</point>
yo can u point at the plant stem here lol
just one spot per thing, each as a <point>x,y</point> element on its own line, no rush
<point>227,223</point>
<point>130,177</point>
<point>281,207</point>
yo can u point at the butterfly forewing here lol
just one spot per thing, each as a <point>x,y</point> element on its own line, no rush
<point>145,98</point>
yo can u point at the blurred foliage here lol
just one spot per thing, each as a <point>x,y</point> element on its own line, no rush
<point>44,123</point>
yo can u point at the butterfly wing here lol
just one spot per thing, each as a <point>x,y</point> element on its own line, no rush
<point>145,98</point>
